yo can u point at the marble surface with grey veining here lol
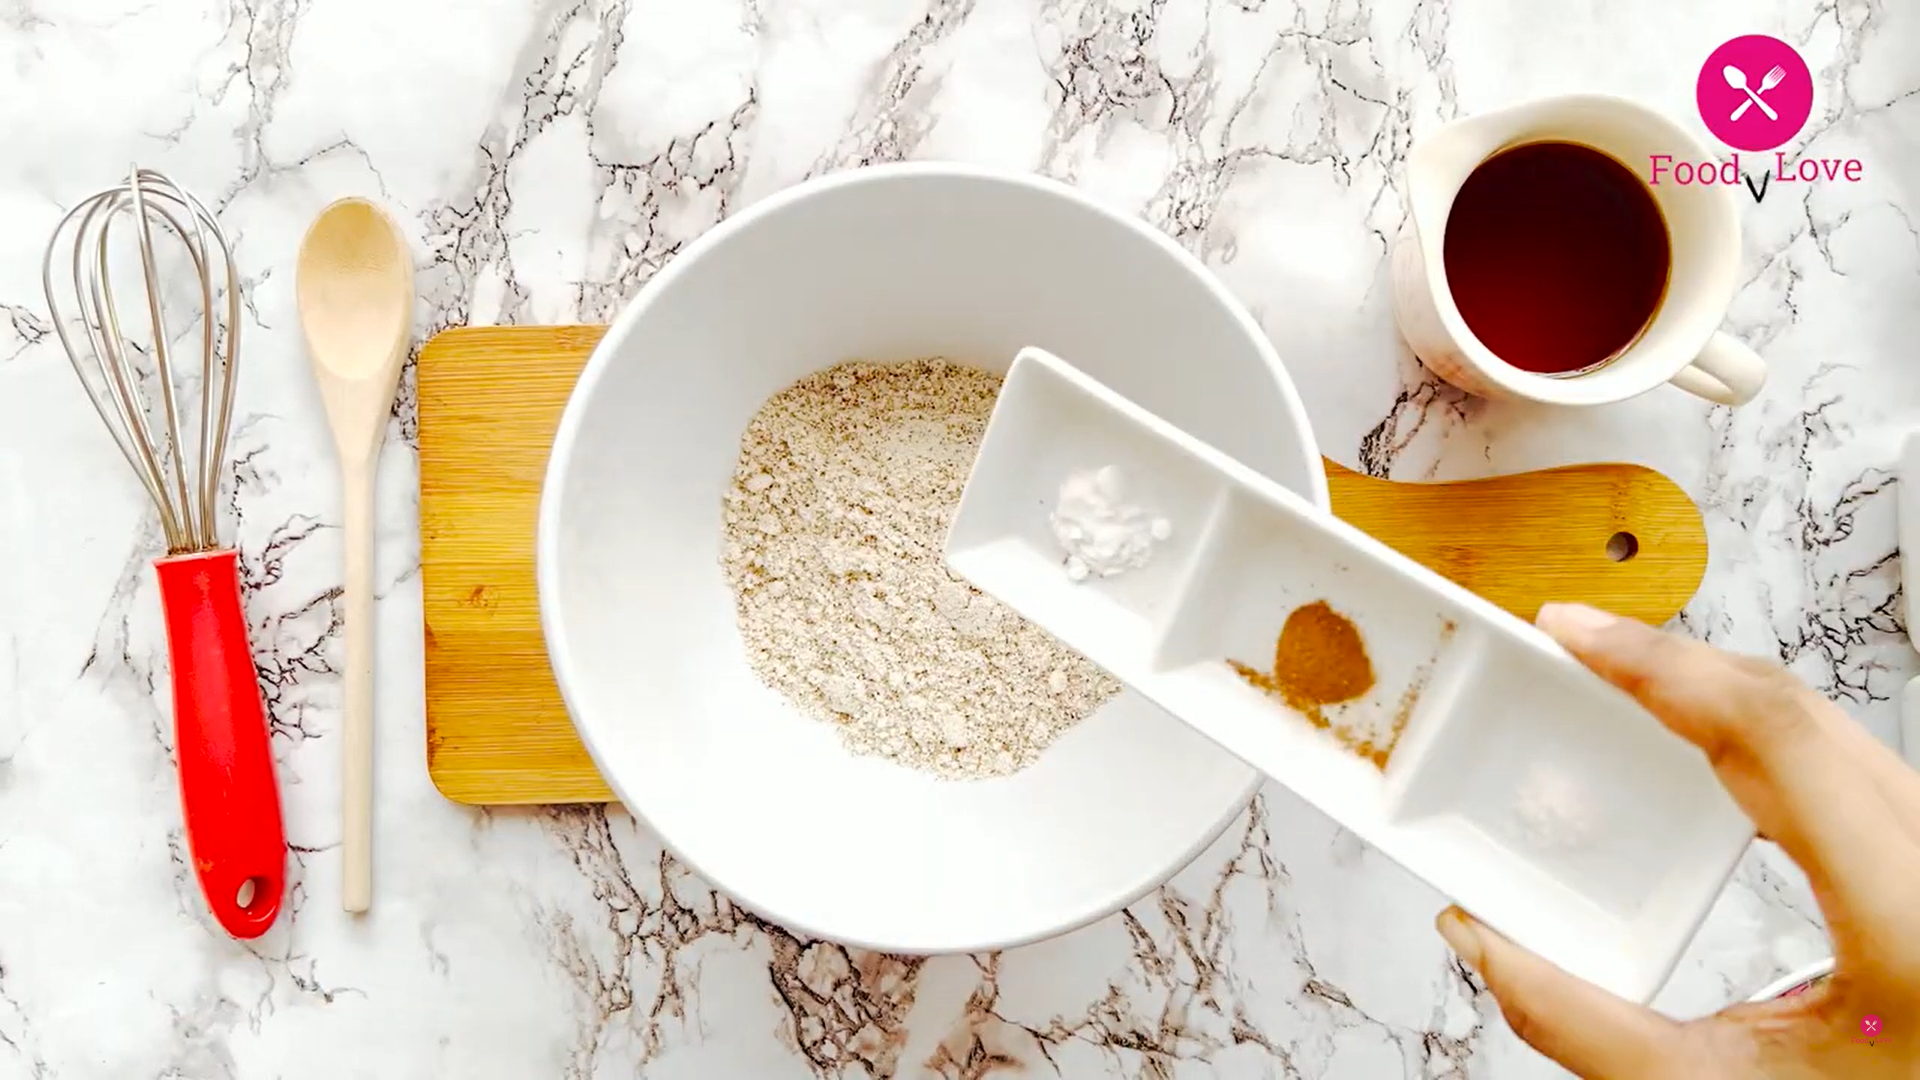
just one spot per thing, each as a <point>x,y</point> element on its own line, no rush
<point>545,159</point>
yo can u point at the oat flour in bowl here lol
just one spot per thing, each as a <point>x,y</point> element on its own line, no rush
<point>834,527</point>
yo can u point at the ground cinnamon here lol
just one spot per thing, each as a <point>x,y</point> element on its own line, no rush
<point>1319,659</point>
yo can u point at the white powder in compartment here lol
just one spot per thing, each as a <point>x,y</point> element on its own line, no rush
<point>1102,534</point>
<point>834,525</point>
<point>1552,811</point>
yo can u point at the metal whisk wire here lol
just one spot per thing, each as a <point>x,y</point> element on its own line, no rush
<point>183,494</point>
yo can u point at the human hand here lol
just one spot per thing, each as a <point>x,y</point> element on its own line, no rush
<point>1841,805</point>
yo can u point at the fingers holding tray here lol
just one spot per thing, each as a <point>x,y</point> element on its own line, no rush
<point>1453,737</point>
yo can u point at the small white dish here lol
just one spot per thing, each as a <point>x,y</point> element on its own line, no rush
<point>1474,708</point>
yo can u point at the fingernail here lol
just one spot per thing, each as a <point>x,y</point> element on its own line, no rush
<point>1573,624</point>
<point>1461,936</point>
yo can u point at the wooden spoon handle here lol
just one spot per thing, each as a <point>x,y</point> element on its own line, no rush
<point>1620,537</point>
<point>356,744</point>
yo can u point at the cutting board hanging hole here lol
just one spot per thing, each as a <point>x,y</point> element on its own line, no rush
<point>1622,546</point>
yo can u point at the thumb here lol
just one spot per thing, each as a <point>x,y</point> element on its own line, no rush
<point>1586,1029</point>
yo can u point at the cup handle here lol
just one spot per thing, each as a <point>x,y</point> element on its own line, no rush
<point>1726,372</point>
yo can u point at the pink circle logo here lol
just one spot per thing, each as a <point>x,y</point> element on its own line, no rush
<point>1870,1025</point>
<point>1754,92</point>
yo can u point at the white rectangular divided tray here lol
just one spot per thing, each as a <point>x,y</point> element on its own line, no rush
<point>1489,762</point>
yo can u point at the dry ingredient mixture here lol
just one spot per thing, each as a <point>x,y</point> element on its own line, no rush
<point>1102,534</point>
<point>834,526</point>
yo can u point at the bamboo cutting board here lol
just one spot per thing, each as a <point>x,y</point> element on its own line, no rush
<point>490,400</point>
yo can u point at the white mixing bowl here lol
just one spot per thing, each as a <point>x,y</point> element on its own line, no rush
<point>888,263</point>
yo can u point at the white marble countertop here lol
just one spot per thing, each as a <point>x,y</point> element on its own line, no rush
<point>546,159</point>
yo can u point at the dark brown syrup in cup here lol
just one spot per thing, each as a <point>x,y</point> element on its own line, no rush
<point>1557,256</point>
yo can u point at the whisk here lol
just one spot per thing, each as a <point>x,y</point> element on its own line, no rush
<point>230,804</point>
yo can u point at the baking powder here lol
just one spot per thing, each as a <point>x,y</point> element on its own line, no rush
<point>1101,533</point>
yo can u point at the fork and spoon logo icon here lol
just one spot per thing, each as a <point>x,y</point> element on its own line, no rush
<point>1754,92</point>
<point>1738,80</point>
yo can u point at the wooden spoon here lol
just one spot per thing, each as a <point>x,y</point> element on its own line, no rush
<point>354,283</point>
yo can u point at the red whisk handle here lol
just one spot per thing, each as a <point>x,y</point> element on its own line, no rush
<point>227,792</point>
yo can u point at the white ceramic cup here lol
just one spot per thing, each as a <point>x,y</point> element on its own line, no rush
<point>1682,345</point>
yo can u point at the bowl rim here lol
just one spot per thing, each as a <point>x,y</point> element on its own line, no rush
<point>1803,976</point>
<point>560,457</point>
